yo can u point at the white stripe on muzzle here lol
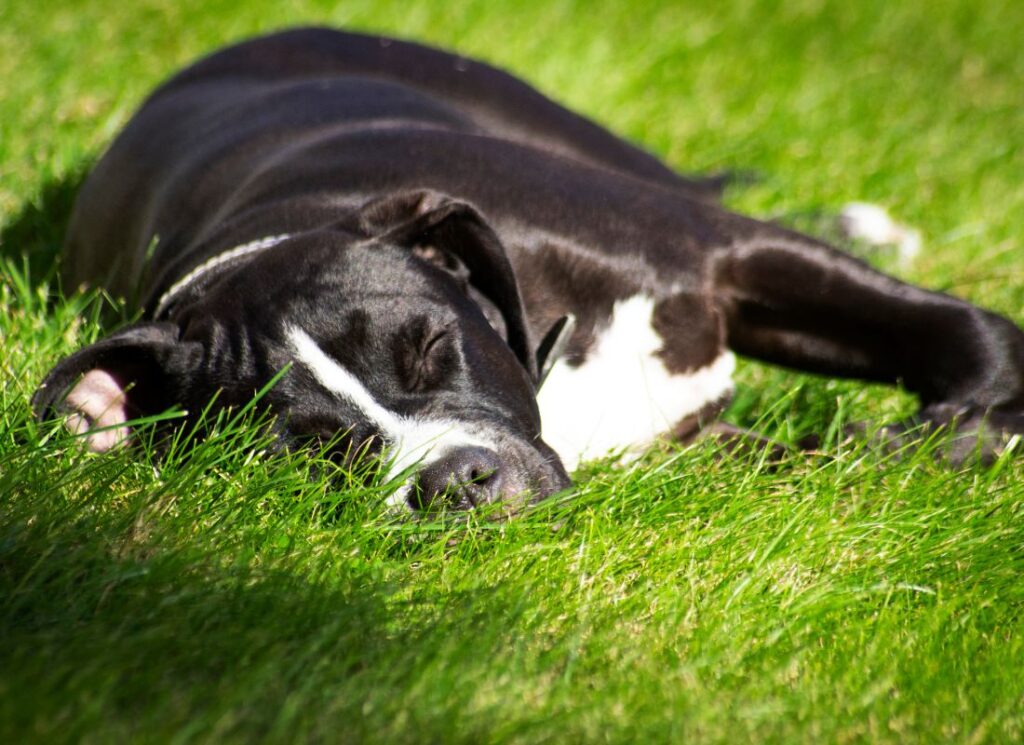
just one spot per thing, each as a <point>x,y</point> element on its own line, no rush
<point>413,441</point>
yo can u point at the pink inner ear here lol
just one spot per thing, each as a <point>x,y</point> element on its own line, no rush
<point>99,407</point>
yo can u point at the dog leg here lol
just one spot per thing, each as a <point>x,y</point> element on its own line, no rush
<point>790,300</point>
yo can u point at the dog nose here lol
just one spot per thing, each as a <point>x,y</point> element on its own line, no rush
<point>463,478</point>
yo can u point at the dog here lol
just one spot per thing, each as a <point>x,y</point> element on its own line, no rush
<point>419,241</point>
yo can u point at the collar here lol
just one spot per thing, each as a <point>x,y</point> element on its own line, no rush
<point>211,265</point>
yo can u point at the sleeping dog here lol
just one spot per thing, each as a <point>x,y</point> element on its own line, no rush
<point>420,240</point>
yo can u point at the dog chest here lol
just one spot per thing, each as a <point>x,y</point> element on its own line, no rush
<point>623,395</point>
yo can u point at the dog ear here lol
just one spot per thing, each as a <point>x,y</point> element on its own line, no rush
<point>428,218</point>
<point>139,371</point>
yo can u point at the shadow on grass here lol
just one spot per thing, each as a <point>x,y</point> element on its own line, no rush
<point>103,644</point>
<point>36,234</point>
<point>118,624</point>
<point>109,647</point>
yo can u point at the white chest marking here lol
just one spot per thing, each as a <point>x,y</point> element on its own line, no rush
<point>413,441</point>
<point>622,396</point>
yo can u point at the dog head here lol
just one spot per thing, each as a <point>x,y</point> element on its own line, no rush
<point>401,332</point>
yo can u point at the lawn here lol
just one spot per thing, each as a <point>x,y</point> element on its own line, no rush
<point>846,595</point>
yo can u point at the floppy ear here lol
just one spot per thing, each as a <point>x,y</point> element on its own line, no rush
<point>139,371</point>
<point>437,220</point>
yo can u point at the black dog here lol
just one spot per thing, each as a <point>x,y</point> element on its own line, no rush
<point>424,238</point>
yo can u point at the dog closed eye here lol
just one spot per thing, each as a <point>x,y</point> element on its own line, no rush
<point>426,359</point>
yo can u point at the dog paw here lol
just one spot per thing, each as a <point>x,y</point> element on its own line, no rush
<point>96,409</point>
<point>975,435</point>
<point>961,435</point>
<point>873,226</point>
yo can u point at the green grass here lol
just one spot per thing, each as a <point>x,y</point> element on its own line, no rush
<point>228,597</point>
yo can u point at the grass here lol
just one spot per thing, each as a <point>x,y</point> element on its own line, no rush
<point>227,597</point>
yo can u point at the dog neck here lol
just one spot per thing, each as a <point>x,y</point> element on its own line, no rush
<point>212,265</point>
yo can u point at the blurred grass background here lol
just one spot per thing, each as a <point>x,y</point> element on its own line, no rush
<point>686,598</point>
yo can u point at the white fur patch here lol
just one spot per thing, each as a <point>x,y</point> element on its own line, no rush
<point>622,396</point>
<point>414,442</point>
<point>872,224</point>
